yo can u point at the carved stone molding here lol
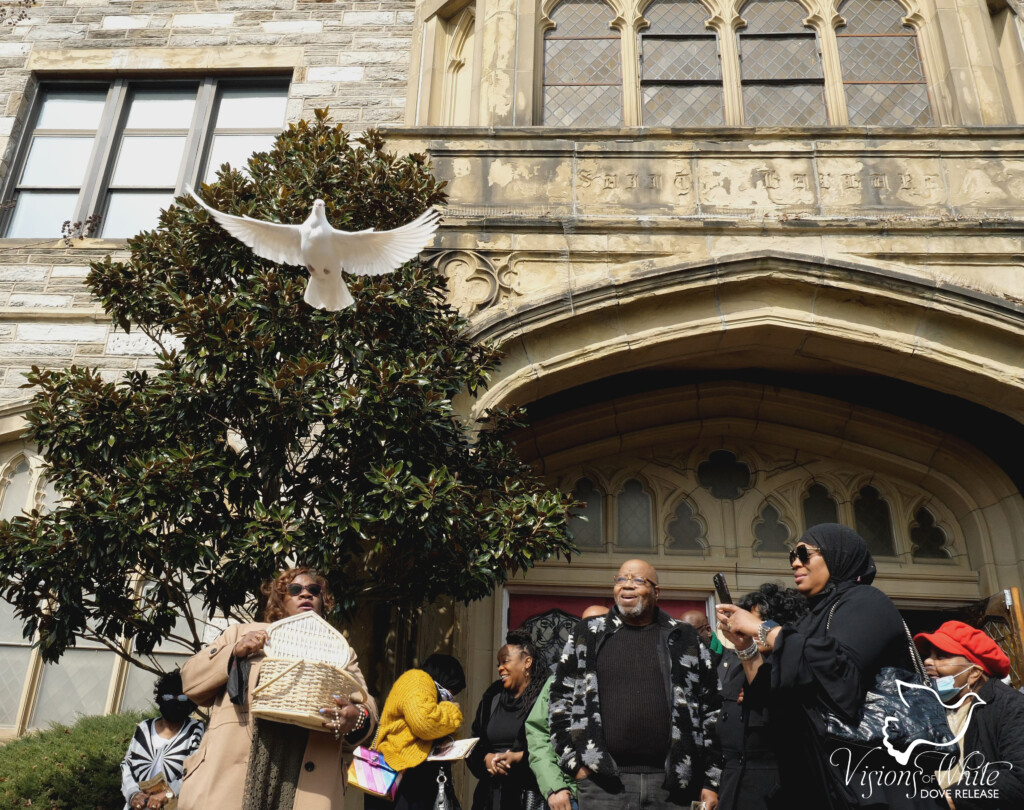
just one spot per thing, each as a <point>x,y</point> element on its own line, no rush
<point>474,281</point>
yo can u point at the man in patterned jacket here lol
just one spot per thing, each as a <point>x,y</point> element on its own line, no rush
<point>634,702</point>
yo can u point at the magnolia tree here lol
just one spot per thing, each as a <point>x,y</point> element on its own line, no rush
<point>271,433</point>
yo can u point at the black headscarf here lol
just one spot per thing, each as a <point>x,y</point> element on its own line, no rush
<point>849,564</point>
<point>447,671</point>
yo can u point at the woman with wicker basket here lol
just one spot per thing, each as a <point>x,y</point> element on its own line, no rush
<point>248,764</point>
<point>420,709</point>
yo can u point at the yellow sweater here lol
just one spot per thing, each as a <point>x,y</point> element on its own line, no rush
<point>412,719</point>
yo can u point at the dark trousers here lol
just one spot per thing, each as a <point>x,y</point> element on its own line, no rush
<point>641,791</point>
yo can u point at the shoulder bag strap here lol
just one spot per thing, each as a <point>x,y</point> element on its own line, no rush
<point>915,656</point>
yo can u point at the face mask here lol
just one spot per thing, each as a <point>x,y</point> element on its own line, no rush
<point>945,686</point>
<point>176,712</point>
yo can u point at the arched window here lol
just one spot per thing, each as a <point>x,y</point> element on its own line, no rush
<point>685,531</point>
<point>929,541</point>
<point>881,65</point>
<point>819,507</point>
<point>874,522</point>
<point>14,499</point>
<point>635,519</point>
<point>770,533</point>
<point>458,74</point>
<point>582,66</point>
<point>588,533</point>
<point>680,70</point>
<point>783,83</point>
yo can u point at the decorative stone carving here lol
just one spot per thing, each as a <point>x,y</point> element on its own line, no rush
<point>474,281</point>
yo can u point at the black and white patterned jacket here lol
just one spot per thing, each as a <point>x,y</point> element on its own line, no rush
<point>575,706</point>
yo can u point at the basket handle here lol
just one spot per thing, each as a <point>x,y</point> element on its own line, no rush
<point>259,688</point>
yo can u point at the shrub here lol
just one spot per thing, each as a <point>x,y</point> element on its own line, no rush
<point>68,768</point>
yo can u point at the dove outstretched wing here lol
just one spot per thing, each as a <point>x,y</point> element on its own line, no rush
<point>268,240</point>
<point>375,252</point>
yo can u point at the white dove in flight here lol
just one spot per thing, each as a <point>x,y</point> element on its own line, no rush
<point>325,250</point>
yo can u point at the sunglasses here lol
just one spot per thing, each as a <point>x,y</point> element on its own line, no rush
<point>294,589</point>
<point>638,581</point>
<point>169,698</point>
<point>802,553</point>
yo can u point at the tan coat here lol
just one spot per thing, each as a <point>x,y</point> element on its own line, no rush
<point>215,775</point>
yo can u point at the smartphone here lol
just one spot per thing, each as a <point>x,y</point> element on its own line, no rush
<point>722,589</point>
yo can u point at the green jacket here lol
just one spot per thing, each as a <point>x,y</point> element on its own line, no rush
<point>543,759</point>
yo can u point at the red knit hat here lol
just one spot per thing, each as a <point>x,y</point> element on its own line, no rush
<point>970,642</point>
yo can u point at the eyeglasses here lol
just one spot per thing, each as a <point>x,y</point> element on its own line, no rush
<point>169,698</point>
<point>294,589</point>
<point>802,553</point>
<point>638,581</point>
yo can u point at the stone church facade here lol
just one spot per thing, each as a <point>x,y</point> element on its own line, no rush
<point>754,265</point>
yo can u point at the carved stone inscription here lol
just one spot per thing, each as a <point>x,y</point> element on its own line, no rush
<point>616,182</point>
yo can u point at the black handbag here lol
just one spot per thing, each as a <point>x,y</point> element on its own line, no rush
<point>532,800</point>
<point>445,794</point>
<point>895,713</point>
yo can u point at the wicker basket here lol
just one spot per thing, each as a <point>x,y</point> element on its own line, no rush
<point>303,669</point>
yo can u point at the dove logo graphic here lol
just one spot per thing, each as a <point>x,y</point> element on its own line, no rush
<point>903,756</point>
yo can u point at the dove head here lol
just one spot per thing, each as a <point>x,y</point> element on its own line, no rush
<point>320,209</point>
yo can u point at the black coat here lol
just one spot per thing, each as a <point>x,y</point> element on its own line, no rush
<point>499,793</point>
<point>996,732</point>
<point>750,771</point>
<point>819,665</point>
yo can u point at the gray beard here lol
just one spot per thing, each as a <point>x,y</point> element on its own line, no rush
<point>639,609</point>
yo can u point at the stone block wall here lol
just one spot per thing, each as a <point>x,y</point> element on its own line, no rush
<point>349,55</point>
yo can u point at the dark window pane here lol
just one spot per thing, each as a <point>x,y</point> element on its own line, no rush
<point>724,475</point>
<point>588,533</point>
<point>929,541</point>
<point>685,532</point>
<point>819,507</point>
<point>634,508</point>
<point>874,522</point>
<point>770,533</point>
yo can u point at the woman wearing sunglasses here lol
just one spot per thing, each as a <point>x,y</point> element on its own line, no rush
<point>244,764</point>
<point>827,660</point>
<point>159,747</point>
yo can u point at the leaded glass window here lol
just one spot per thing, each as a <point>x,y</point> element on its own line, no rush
<point>588,533</point>
<point>770,532</point>
<point>725,476</point>
<point>685,532</point>
<point>635,516</point>
<point>929,541</point>
<point>582,66</point>
<point>680,68</point>
<point>874,522</point>
<point>15,654</point>
<point>881,65</point>
<point>819,507</point>
<point>783,83</point>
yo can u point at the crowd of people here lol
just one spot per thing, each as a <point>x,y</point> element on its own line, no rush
<point>642,711</point>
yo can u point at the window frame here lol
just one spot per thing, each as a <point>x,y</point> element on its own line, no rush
<point>94,191</point>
